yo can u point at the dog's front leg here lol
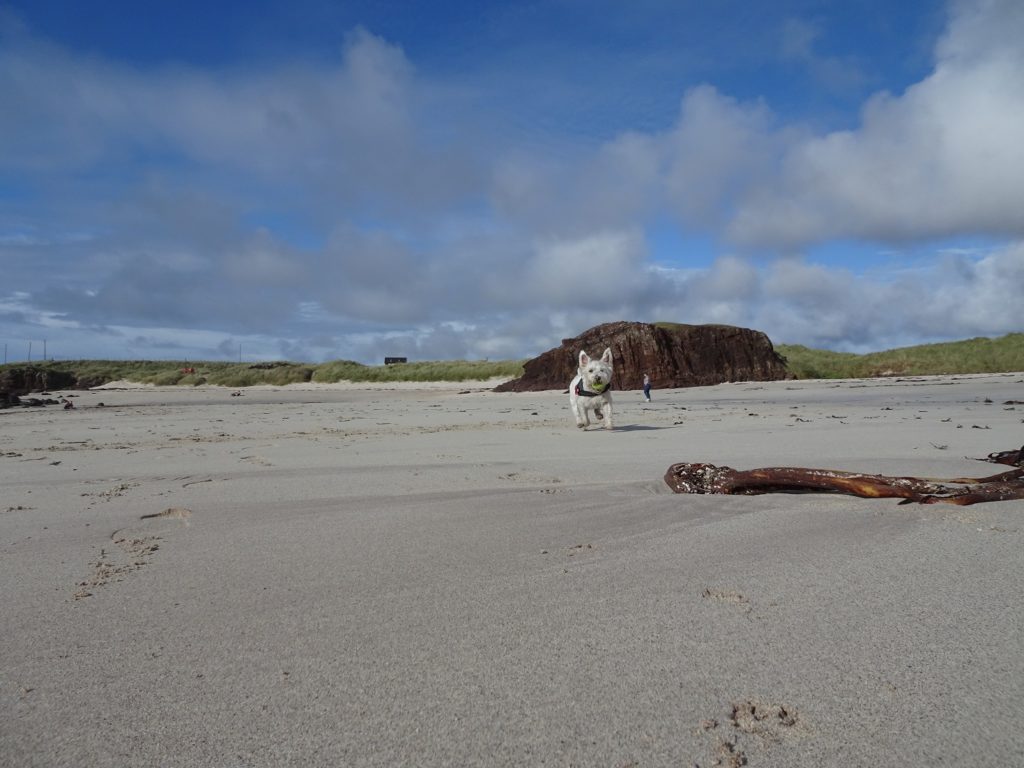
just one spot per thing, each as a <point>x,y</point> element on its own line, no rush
<point>608,414</point>
<point>581,415</point>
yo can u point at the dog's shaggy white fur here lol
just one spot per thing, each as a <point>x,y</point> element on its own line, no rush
<point>591,390</point>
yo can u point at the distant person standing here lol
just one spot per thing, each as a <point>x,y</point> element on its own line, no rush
<point>647,388</point>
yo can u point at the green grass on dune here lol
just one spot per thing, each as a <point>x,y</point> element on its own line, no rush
<point>178,372</point>
<point>192,373</point>
<point>450,370</point>
<point>806,363</point>
<point>980,355</point>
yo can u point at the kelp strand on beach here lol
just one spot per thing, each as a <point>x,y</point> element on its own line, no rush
<point>962,491</point>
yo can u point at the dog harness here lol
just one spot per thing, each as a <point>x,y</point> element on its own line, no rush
<point>581,392</point>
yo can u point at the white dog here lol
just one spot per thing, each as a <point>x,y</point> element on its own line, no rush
<point>591,390</point>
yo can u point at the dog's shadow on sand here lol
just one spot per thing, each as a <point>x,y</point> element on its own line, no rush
<point>636,428</point>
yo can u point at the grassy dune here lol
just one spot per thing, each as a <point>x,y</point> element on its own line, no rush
<point>980,355</point>
<point>192,373</point>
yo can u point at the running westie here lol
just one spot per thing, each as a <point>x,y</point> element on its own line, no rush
<point>591,390</point>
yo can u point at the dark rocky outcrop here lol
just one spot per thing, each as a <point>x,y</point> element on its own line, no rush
<point>11,401</point>
<point>672,355</point>
<point>22,379</point>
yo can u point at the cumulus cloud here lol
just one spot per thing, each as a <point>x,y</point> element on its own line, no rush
<point>943,158</point>
<point>350,134</point>
<point>718,148</point>
<point>973,293</point>
<point>602,270</point>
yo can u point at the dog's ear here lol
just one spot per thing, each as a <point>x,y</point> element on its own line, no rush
<point>584,358</point>
<point>607,356</point>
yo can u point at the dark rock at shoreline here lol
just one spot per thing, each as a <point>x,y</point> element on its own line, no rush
<point>22,379</point>
<point>7,400</point>
<point>673,356</point>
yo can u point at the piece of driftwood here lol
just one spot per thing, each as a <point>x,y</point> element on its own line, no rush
<point>708,478</point>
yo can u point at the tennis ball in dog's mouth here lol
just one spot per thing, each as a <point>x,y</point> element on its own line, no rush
<point>599,387</point>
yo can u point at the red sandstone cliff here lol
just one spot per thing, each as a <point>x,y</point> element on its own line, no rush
<point>672,355</point>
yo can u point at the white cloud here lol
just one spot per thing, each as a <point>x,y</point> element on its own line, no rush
<point>717,148</point>
<point>943,158</point>
<point>977,295</point>
<point>601,270</point>
<point>351,134</point>
<point>795,301</point>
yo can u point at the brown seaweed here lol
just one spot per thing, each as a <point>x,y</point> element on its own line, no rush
<point>708,478</point>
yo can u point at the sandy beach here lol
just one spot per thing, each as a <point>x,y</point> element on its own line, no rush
<point>449,576</point>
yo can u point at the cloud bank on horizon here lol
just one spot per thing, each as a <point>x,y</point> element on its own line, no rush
<point>834,182</point>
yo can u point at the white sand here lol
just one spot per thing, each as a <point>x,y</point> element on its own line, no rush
<point>340,576</point>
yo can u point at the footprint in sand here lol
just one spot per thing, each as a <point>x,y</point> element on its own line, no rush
<point>749,726</point>
<point>257,460</point>
<point>130,550</point>
<point>172,513</point>
<point>112,493</point>
<point>728,596</point>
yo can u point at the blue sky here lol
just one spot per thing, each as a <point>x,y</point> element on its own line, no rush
<point>316,180</point>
